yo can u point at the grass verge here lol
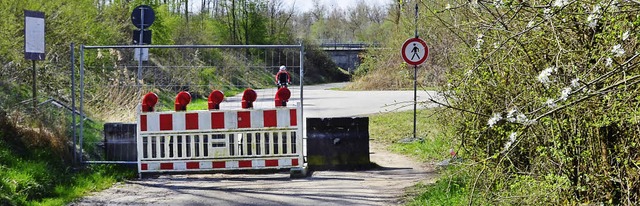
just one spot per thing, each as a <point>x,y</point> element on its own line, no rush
<point>35,167</point>
<point>433,140</point>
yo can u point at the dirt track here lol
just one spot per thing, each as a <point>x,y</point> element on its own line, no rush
<point>383,186</point>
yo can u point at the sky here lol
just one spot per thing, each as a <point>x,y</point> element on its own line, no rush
<point>306,5</point>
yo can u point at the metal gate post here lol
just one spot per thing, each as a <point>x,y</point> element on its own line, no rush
<point>73,103</point>
<point>81,100</point>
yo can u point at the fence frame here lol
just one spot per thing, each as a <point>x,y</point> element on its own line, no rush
<point>80,131</point>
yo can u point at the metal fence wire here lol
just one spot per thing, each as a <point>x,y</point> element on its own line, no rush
<point>113,79</point>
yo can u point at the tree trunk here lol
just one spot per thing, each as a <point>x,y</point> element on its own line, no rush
<point>186,10</point>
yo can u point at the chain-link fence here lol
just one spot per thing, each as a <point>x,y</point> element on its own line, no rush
<point>113,80</point>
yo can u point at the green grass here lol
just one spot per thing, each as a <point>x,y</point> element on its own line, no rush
<point>449,190</point>
<point>435,139</point>
<point>95,178</point>
<point>198,104</point>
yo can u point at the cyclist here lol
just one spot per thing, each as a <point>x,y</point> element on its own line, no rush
<point>282,77</point>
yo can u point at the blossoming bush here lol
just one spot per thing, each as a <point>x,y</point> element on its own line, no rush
<point>546,99</point>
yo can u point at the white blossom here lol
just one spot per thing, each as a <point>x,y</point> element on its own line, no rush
<point>613,5</point>
<point>469,72</point>
<point>560,3</point>
<point>564,94</point>
<point>498,3</point>
<point>495,119</point>
<point>116,53</point>
<point>512,139</point>
<point>544,75</point>
<point>99,54</point>
<point>479,42</point>
<point>593,18</point>
<point>511,115</point>
<point>547,13</point>
<point>515,116</point>
<point>531,24</point>
<point>575,82</point>
<point>608,62</point>
<point>550,103</point>
<point>523,119</point>
<point>448,6</point>
<point>625,35</point>
<point>617,50</point>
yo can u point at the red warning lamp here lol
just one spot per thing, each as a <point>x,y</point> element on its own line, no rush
<point>149,101</point>
<point>182,100</point>
<point>215,98</point>
<point>248,97</point>
<point>282,97</point>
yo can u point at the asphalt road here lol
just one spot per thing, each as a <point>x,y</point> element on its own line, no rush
<point>382,186</point>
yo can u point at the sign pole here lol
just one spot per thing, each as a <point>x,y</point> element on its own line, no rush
<point>140,50</point>
<point>414,52</point>
<point>415,81</point>
<point>35,95</point>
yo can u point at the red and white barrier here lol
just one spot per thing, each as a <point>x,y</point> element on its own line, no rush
<point>219,140</point>
<point>219,165</point>
<point>212,120</point>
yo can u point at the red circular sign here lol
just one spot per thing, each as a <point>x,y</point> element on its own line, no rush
<point>415,51</point>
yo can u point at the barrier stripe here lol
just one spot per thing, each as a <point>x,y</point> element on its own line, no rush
<point>143,122</point>
<point>244,119</point>
<point>294,117</point>
<point>178,121</point>
<point>193,165</point>
<point>191,121</point>
<point>201,165</point>
<point>270,118</point>
<point>166,166</point>
<point>217,120</point>
<point>207,120</point>
<point>166,122</point>
<point>204,120</point>
<point>218,164</point>
<point>271,163</point>
<point>257,117</point>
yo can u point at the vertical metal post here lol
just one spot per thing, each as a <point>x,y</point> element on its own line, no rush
<point>415,98</point>
<point>302,79</point>
<point>302,121</point>
<point>35,93</point>
<point>81,100</point>
<point>73,102</point>
<point>139,80</point>
<point>415,80</point>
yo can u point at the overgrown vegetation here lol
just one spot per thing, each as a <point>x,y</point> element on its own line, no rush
<point>36,157</point>
<point>542,95</point>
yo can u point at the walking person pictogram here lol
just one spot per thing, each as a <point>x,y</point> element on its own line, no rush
<point>415,51</point>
